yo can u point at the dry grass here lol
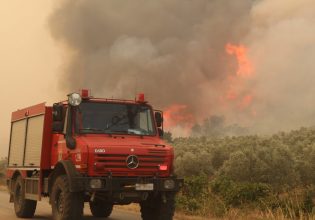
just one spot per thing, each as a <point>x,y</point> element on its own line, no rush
<point>233,214</point>
<point>132,207</point>
<point>178,216</point>
<point>240,215</point>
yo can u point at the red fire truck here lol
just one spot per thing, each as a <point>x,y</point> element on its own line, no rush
<point>96,150</point>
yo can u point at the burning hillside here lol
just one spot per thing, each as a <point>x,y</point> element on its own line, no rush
<point>237,95</point>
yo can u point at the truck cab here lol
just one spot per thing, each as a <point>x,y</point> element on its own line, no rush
<point>96,150</point>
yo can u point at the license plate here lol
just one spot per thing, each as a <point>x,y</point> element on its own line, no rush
<point>144,187</point>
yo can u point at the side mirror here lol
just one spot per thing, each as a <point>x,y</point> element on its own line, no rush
<point>57,112</point>
<point>161,132</point>
<point>70,142</point>
<point>57,126</point>
<point>158,118</point>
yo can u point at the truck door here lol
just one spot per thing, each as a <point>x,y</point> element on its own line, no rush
<point>59,148</point>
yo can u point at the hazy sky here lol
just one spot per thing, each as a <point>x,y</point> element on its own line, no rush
<point>29,60</point>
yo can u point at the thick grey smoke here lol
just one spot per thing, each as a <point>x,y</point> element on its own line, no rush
<point>170,49</point>
<point>282,45</point>
<point>174,51</point>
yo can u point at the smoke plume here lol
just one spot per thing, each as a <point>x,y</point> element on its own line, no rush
<point>189,54</point>
<point>282,44</point>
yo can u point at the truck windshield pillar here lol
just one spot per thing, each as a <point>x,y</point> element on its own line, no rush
<point>70,141</point>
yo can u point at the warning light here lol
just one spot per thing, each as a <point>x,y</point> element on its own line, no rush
<point>163,167</point>
<point>141,97</point>
<point>85,93</point>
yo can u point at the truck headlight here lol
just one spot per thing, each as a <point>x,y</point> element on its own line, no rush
<point>169,184</point>
<point>74,99</point>
<point>95,183</point>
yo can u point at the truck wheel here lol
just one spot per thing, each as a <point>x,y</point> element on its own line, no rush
<point>101,209</point>
<point>66,205</point>
<point>24,208</point>
<point>158,208</point>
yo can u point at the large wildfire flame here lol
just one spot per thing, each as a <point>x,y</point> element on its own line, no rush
<point>178,115</point>
<point>245,67</point>
<point>236,93</point>
<point>236,97</point>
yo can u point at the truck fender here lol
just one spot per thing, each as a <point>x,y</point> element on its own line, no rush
<point>66,167</point>
<point>11,181</point>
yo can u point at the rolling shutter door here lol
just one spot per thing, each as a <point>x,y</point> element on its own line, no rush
<point>17,143</point>
<point>34,141</point>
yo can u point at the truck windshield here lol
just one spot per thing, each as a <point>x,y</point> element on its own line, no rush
<point>114,118</point>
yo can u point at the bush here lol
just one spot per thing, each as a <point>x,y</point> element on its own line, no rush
<point>272,165</point>
<point>197,198</point>
<point>3,165</point>
<point>259,171</point>
<point>236,194</point>
<point>194,164</point>
<point>281,160</point>
<point>194,190</point>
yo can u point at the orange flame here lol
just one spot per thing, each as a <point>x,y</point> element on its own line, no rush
<point>237,93</point>
<point>178,115</point>
<point>245,67</point>
<point>238,96</point>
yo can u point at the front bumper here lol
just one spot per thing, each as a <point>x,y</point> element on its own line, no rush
<point>122,184</point>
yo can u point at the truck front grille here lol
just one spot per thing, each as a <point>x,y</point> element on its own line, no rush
<point>118,161</point>
<point>116,164</point>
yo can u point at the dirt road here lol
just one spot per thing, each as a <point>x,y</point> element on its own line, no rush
<point>43,211</point>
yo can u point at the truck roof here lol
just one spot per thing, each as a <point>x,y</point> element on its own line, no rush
<point>40,108</point>
<point>118,101</point>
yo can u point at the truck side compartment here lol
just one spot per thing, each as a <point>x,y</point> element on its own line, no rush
<point>29,148</point>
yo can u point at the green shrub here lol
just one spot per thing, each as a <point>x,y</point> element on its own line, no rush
<point>272,165</point>
<point>3,165</point>
<point>235,194</point>
<point>263,172</point>
<point>195,188</point>
<point>196,198</point>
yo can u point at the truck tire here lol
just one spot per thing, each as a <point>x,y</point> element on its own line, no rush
<point>24,208</point>
<point>66,205</point>
<point>158,208</point>
<point>101,209</point>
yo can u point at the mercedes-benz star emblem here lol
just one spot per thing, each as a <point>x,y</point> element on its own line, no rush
<point>132,162</point>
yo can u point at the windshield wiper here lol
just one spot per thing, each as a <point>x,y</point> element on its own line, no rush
<point>106,130</point>
<point>92,129</point>
<point>116,131</point>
